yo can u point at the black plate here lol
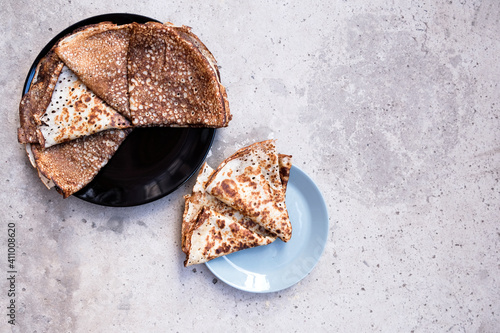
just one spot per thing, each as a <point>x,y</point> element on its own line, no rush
<point>151,162</point>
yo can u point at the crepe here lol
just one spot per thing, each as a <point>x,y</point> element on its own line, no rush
<point>173,80</point>
<point>215,235</point>
<point>72,165</point>
<point>73,112</point>
<point>98,56</point>
<point>58,107</point>
<point>199,199</point>
<point>37,99</point>
<point>249,181</point>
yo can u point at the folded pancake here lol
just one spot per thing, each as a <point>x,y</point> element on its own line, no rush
<point>215,235</point>
<point>73,112</point>
<point>173,79</point>
<point>35,102</point>
<point>98,56</point>
<point>249,181</point>
<point>200,199</point>
<point>58,107</point>
<point>70,166</point>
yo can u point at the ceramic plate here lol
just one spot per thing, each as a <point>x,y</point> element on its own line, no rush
<point>280,265</point>
<point>151,162</point>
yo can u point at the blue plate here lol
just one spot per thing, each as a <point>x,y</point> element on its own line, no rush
<point>280,265</point>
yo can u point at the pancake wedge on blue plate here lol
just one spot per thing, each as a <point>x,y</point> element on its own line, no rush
<point>211,228</point>
<point>249,181</point>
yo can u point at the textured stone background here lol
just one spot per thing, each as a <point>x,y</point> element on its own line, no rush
<point>392,107</point>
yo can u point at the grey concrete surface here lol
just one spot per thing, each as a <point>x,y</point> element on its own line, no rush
<point>391,107</point>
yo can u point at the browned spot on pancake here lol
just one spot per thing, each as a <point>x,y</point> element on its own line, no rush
<point>223,248</point>
<point>81,106</point>
<point>218,236</point>
<point>220,223</point>
<point>234,227</point>
<point>229,187</point>
<point>208,244</point>
<point>284,172</point>
<point>94,116</point>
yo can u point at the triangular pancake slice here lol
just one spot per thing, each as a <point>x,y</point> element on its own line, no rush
<point>172,80</point>
<point>35,102</point>
<point>215,235</point>
<point>74,111</point>
<point>58,107</point>
<point>70,166</point>
<point>199,199</point>
<point>98,56</point>
<point>249,181</point>
<point>195,202</point>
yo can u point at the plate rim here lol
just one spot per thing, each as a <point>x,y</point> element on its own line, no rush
<point>112,17</point>
<point>324,211</point>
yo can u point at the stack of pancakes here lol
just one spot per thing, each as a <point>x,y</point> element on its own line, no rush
<point>101,81</point>
<point>239,205</point>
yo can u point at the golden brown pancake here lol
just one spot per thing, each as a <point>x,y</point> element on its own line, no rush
<point>172,82</point>
<point>215,235</point>
<point>70,166</point>
<point>249,181</point>
<point>199,199</point>
<point>98,56</point>
<point>285,164</point>
<point>37,99</point>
